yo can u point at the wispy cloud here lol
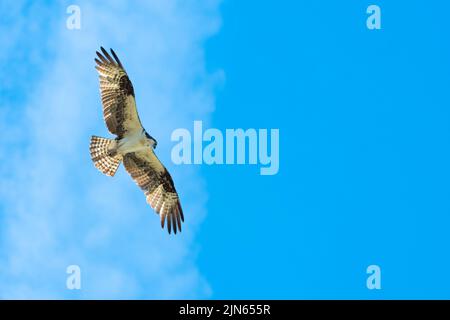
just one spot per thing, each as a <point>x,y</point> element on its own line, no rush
<point>56,209</point>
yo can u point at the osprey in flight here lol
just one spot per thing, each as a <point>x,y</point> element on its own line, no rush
<point>132,145</point>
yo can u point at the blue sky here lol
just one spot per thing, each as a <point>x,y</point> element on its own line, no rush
<point>364,150</point>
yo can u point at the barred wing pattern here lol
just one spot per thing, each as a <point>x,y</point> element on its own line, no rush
<point>154,179</point>
<point>117,93</point>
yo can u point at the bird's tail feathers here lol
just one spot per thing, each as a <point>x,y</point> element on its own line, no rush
<point>102,157</point>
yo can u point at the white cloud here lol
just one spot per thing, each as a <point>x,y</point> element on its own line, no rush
<point>56,209</point>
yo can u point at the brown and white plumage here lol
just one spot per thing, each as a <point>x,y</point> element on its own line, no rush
<point>117,93</point>
<point>133,145</point>
<point>154,179</point>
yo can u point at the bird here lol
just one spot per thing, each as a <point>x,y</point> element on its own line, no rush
<point>132,145</point>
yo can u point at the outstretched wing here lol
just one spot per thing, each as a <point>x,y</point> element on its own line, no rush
<point>154,179</point>
<point>117,93</point>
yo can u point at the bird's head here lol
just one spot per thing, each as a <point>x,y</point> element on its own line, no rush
<point>151,141</point>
